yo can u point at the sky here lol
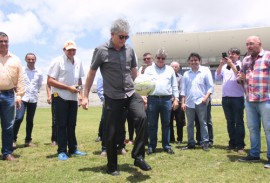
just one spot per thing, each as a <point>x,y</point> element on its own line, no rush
<point>42,26</point>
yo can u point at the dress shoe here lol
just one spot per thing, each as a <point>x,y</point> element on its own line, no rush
<point>188,147</point>
<point>10,157</point>
<point>122,151</point>
<point>29,144</point>
<point>54,143</point>
<point>139,162</point>
<point>14,145</point>
<point>205,147</point>
<point>103,153</point>
<point>113,173</point>
<point>98,139</point>
<point>150,151</point>
<point>169,151</point>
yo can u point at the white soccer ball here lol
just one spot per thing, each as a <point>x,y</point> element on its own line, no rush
<point>144,85</point>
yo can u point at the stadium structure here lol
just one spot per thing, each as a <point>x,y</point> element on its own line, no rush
<point>209,45</point>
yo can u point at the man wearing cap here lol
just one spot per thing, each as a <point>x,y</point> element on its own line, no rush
<point>11,75</point>
<point>64,76</point>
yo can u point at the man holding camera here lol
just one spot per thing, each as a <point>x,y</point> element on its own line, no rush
<point>232,98</point>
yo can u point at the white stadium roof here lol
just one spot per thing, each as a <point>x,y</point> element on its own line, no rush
<point>209,45</point>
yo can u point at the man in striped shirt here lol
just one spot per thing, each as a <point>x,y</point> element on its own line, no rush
<point>255,76</point>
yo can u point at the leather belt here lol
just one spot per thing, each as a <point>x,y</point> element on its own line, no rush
<point>7,91</point>
<point>160,96</point>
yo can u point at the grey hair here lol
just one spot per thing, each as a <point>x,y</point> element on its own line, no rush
<point>175,62</point>
<point>120,25</point>
<point>2,34</point>
<point>161,52</point>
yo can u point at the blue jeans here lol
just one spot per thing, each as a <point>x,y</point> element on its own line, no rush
<point>7,110</point>
<point>66,117</point>
<point>30,109</point>
<point>201,111</point>
<point>233,108</point>
<point>156,107</point>
<point>255,113</point>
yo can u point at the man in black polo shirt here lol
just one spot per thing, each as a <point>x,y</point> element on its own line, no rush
<point>117,62</point>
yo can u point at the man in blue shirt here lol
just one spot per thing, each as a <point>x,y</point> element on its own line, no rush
<point>197,86</point>
<point>160,101</point>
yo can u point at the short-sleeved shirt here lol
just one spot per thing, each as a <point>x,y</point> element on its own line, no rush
<point>67,73</point>
<point>257,72</point>
<point>115,67</point>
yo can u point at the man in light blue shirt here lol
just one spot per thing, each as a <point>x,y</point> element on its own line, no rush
<point>197,86</point>
<point>160,101</point>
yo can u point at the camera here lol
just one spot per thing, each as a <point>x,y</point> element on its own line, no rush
<point>224,55</point>
<point>238,68</point>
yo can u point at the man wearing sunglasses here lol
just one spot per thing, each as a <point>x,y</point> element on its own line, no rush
<point>117,63</point>
<point>160,101</point>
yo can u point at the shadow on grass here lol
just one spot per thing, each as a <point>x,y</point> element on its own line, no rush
<point>52,156</point>
<point>136,175</point>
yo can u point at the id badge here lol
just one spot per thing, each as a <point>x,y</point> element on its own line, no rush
<point>55,94</point>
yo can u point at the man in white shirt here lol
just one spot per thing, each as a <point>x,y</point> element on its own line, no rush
<point>64,76</point>
<point>33,81</point>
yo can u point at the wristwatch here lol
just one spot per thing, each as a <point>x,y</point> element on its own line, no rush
<point>176,99</point>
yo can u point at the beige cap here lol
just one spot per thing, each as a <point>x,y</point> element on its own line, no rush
<point>70,45</point>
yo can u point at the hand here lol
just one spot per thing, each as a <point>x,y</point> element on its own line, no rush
<point>85,103</point>
<point>241,77</point>
<point>18,103</point>
<point>145,102</point>
<point>204,100</point>
<point>49,100</point>
<point>175,105</point>
<point>183,106</point>
<point>229,62</point>
<point>73,89</point>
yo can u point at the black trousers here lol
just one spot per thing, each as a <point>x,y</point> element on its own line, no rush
<point>179,116</point>
<point>54,124</point>
<point>115,109</point>
<point>66,117</point>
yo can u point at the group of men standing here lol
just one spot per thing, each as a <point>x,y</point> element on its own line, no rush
<point>117,63</point>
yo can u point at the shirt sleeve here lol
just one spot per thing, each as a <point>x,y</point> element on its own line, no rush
<point>20,88</point>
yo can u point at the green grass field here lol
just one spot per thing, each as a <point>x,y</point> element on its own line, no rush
<point>40,164</point>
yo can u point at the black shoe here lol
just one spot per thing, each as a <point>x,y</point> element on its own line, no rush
<point>113,173</point>
<point>98,139</point>
<point>249,158</point>
<point>210,145</point>
<point>149,151</point>
<point>188,147</point>
<point>169,151</point>
<point>179,142</point>
<point>230,148</point>
<point>205,147</point>
<point>139,162</point>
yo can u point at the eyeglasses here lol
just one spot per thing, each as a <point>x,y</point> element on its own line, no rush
<point>3,41</point>
<point>159,58</point>
<point>147,58</point>
<point>123,37</point>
